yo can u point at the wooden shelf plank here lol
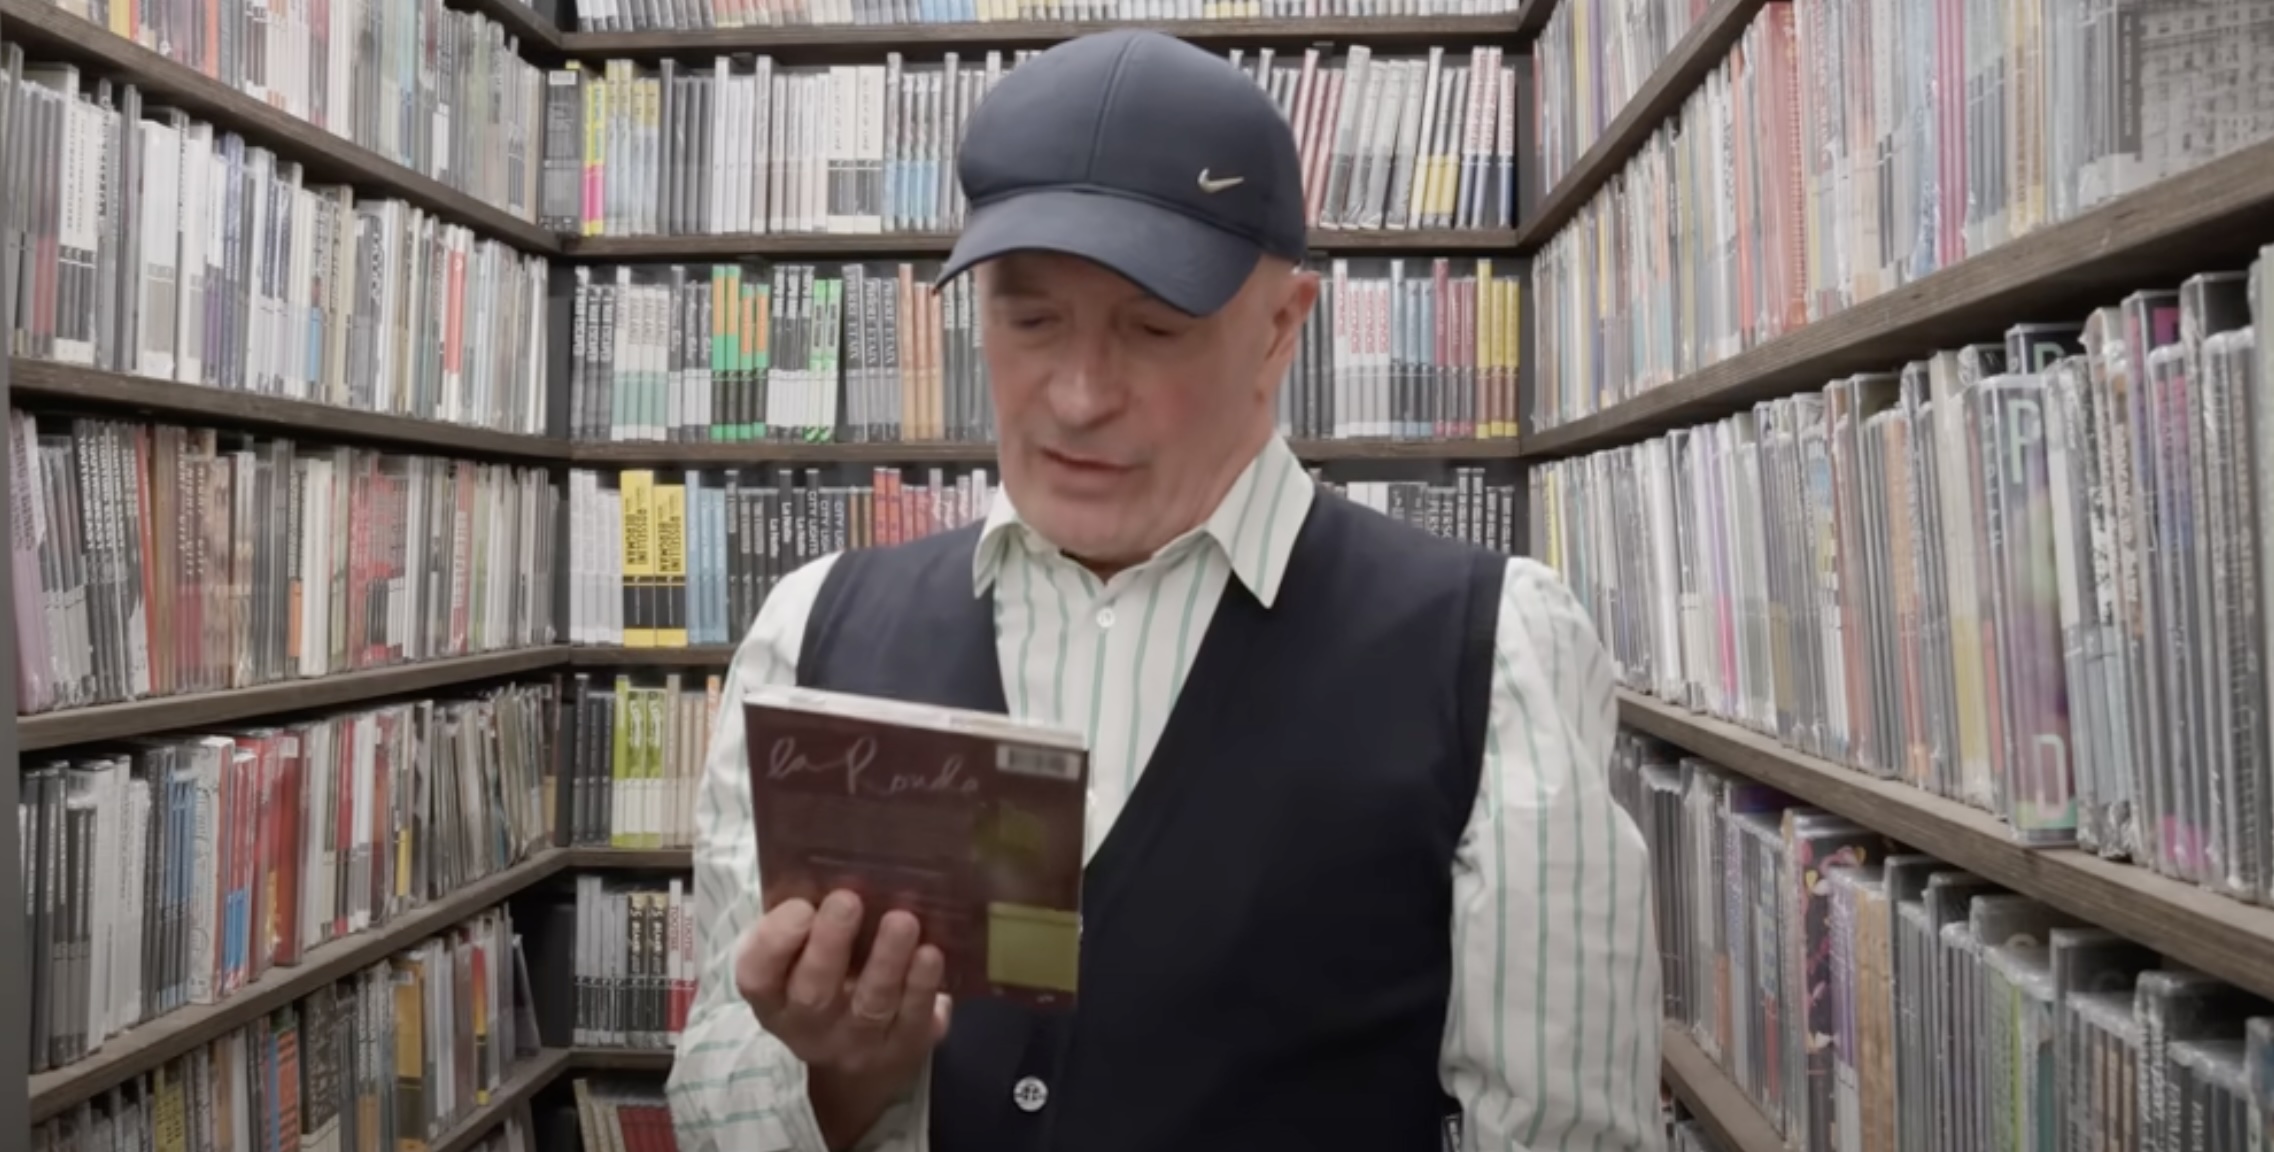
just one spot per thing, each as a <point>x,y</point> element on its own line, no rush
<point>172,713</point>
<point>48,32</point>
<point>1713,1097</point>
<point>2226,938</point>
<point>1695,55</point>
<point>142,1049</point>
<point>699,656</point>
<point>526,1081</point>
<point>745,245</point>
<point>73,386</point>
<point>1531,16</point>
<point>632,859</point>
<point>827,42</point>
<point>668,455</point>
<point>537,34</point>
<point>651,454</point>
<point>2211,218</point>
<point>622,1060</point>
<point>1321,451</point>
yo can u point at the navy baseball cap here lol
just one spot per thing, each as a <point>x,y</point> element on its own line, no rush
<point>1141,153</point>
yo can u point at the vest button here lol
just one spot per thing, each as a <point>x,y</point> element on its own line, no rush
<point>1030,1094</point>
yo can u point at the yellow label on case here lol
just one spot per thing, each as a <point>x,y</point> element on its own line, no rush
<point>1029,947</point>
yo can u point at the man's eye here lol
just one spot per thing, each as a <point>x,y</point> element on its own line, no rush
<point>1028,323</point>
<point>1157,332</point>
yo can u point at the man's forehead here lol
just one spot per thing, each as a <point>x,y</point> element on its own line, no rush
<point>1049,273</point>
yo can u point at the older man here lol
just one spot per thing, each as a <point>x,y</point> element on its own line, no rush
<point>1356,881</point>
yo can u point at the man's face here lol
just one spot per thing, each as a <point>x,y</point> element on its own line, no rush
<point>1122,420</point>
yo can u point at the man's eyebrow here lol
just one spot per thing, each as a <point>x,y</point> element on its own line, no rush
<point>1009,278</point>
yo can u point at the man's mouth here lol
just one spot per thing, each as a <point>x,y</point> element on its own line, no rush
<point>1087,465</point>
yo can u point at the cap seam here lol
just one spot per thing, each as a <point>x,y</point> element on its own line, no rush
<point>1105,105</point>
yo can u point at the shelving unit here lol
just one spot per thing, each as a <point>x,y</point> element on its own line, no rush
<point>1670,83</point>
<point>2163,231</point>
<point>819,43</point>
<point>705,656</point>
<point>49,33</point>
<point>173,713</point>
<point>2208,218</point>
<point>819,245</point>
<point>153,1044</point>
<point>2226,938</point>
<point>57,34</point>
<point>1710,1095</point>
<point>658,454</point>
<point>2188,222</point>
<point>66,385</point>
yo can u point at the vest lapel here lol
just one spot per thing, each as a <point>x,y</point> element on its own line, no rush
<point>959,669</point>
<point>1165,787</point>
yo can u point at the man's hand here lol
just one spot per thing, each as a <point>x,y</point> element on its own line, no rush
<point>863,1039</point>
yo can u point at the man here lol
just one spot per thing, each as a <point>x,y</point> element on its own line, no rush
<point>1356,881</point>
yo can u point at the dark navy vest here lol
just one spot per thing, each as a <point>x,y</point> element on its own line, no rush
<point>1266,952</point>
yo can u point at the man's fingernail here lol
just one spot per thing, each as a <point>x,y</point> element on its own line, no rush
<point>841,906</point>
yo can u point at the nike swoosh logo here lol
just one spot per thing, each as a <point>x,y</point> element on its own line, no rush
<point>1214,186</point>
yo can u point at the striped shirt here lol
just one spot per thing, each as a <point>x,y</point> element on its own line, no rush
<point>1552,1031</point>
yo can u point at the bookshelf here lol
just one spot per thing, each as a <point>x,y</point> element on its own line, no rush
<point>1440,241</point>
<point>2163,232</point>
<point>71,726</point>
<point>179,1032</point>
<point>1784,473</point>
<point>2189,221</point>
<point>65,390</point>
<point>2229,939</point>
<point>15,962</point>
<point>56,34</point>
<point>826,43</point>
<point>1695,54</point>
<point>70,386</point>
<point>656,454</point>
<point>1710,1096</point>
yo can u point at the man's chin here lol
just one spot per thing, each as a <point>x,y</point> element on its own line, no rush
<point>1077,531</point>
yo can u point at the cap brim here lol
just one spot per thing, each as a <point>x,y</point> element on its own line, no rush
<point>1194,267</point>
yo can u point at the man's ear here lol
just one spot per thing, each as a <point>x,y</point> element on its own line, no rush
<point>1299,293</point>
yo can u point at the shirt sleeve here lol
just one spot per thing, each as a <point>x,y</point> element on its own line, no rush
<point>733,1088</point>
<point>1552,1033</point>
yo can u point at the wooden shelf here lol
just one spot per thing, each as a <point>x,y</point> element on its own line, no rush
<point>1531,16</point>
<point>758,245</point>
<point>1694,56</point>
<point>172,713</point>
<point>1713,1097</point>
<point>68,385</point>
<point>746,245</point>
<point>47,32</point>
<point>631,859</point>
<point>699,656</point>
<point>525,1082</point>
<point>2211,218</point>
<point>655,454</point>
<point>519,20</point>
<point>840,42</point>
<point>622,1060</point>
<point>658,454</point>
<point>2226,938</point>
<point>1322,451</point>
<point>142,1049</point>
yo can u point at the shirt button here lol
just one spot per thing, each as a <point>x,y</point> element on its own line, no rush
<point>1105,617</point>
<point>1030,1094</point>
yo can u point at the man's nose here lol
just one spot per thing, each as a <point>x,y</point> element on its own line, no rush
<point>1088,389</point>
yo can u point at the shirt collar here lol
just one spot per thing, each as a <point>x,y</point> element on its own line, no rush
<point>1253,528</point>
